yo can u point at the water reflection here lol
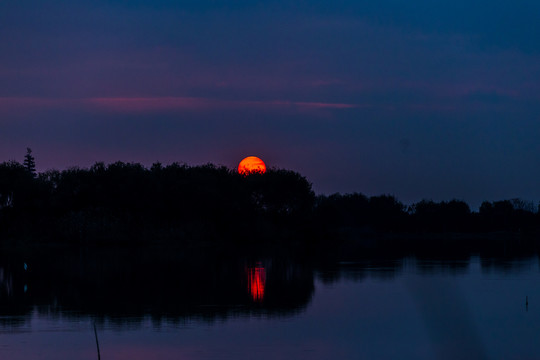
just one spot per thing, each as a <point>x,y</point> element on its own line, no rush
<point>454,266</point>
<point>256,282</point>
<point>6,284</point>
<point>358,270</point>
<point>124,286</point>
<point>505,265</point>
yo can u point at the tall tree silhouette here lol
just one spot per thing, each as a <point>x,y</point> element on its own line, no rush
<point>29,162</point>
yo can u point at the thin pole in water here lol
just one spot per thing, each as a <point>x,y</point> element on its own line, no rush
<point>97,342</point>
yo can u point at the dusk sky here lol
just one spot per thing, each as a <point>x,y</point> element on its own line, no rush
<point>419,99</point>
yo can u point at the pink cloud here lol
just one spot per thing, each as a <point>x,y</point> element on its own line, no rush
<point>300,104</point>
<point>191,103</point>
<point>145,104</point>
<point>152,104</point>
<point>320,105</point>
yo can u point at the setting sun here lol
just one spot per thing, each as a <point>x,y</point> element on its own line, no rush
<point>251,164</point>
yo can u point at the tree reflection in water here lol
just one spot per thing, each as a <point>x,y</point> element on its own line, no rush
<point>125,285</point>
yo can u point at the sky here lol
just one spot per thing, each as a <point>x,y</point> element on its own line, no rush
<point>418,99</point>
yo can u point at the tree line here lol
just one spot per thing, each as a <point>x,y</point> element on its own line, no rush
<point>386,213</point>
<point>130,202</point>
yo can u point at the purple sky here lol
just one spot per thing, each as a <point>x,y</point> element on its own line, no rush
<point>417,99</point>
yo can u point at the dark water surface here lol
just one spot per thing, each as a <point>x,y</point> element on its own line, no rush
<point>199,306</point>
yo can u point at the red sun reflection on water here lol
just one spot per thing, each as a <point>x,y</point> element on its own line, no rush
<point>256,282</point>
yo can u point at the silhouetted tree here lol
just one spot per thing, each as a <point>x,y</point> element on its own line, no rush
<point>347,210</point>
<point>29,162</point>
<point>508,215</point>
<point>452,216</point>
<point>17,186</point>
<point>281,192</point>
<point>523,205</point>
<point>387,212</point>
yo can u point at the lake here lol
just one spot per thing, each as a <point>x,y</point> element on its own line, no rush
<point>220,306</point>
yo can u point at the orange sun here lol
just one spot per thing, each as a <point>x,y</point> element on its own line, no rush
<point>251,164</point>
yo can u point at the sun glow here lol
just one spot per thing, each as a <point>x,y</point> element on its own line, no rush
<point>251,164</point>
